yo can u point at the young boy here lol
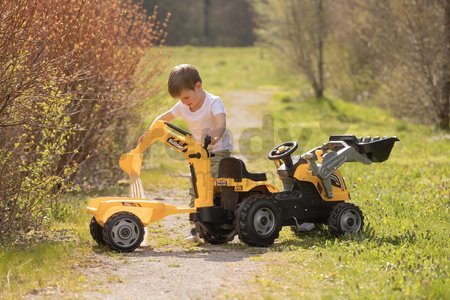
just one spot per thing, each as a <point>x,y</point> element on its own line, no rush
<point>205,115</point>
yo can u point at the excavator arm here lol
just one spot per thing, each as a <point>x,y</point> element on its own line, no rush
<point>196,155</point>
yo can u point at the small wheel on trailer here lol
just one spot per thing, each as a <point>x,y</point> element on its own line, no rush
<point>96,232</point>
<point>345,218</point>
<point>258,220</point>
<point>123,232</point>
<point>215,234</point>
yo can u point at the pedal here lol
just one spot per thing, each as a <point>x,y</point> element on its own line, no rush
<point>306,227</point>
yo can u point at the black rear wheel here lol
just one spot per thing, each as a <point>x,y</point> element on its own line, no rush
<point>96,232</point>
<point>258,220</point>
<point>123,232</point>
<point>345,218</point>
<point>214,233</point>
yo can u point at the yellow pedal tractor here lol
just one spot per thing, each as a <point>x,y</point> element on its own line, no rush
<point>119,221</point>
<point>314,190</point>
<point>239,202</point>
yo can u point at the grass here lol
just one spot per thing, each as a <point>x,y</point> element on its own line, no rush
<point>49,262</point>
<point>403,253</point>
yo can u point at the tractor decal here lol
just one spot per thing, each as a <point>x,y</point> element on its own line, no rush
<point>176,143</point>
<point>222,183</point>
<point>336,181</point>
<point>131,204</point>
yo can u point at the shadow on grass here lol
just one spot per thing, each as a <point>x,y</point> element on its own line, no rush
<point>321,238</point>
<point>318,237</point>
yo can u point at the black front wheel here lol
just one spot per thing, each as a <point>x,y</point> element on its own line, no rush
<point>215,234</point>
<point>345,218</point>
<point>258,221</point>
<point>123,232</point>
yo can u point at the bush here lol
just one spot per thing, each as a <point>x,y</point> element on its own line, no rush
<point>67,94</point>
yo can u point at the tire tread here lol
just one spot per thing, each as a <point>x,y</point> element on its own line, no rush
<point>110,222</point>
<point>242,213</point>
<point>333,221</point>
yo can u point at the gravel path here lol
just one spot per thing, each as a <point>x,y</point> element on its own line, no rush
<point>168,267</point>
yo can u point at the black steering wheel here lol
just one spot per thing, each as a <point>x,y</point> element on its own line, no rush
<point>282,151</point>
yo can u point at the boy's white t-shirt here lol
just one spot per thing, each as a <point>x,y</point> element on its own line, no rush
<point>201,121</point>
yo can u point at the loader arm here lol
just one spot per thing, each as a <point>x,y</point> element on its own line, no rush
<point>347,148</point>
<point>183,142</point>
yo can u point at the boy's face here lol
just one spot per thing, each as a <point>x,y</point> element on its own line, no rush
<point>192,98</point>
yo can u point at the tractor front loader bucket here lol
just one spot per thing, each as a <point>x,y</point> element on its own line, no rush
<point>377,149</point>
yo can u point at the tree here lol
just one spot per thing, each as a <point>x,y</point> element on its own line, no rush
<point>445,110</point>
<point>207,22</point>
<point>412,42</point>
<point>297,30</point>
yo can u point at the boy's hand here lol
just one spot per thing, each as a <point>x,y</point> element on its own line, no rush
<point>214,140</point>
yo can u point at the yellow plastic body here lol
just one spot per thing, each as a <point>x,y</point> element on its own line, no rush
<point>147,211</point>
<point>303,173</point>
<point>245,185</point>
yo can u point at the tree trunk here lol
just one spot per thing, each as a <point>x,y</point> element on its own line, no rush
<point>321,37</point>
<point>444,119</point>
<point>445,109</point>
<point>206,12</point>
<point>318,91</point>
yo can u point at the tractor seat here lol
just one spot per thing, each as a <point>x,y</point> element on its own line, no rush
<point>231,167</point>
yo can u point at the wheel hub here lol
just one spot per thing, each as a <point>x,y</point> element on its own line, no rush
<point>350,221</point>
<point>264,221</point>
<point>125,232</point>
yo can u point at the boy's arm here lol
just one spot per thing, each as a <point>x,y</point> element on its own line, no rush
<point>220,124</point>
<point>167,116</point>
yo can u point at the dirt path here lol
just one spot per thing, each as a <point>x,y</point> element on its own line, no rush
<point>168,267</point>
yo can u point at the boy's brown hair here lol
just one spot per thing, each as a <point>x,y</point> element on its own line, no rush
<point>182,77</point>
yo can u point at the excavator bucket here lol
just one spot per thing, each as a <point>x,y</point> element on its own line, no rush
<point>131,163</point>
